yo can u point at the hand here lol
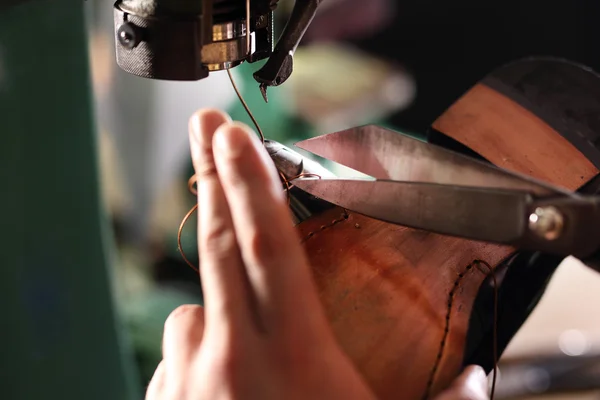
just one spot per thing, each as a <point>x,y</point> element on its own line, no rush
<point>263,333</point>
<point>472,384</point>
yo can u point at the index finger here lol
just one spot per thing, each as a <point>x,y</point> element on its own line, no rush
<point>275,261</point>
<point>223,277</point>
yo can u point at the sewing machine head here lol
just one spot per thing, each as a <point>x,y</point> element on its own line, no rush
<point>185,40</point>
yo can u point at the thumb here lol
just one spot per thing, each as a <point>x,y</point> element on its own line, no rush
<point>472,384</point>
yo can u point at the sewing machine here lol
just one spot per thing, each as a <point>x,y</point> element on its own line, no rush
<point>162,39</point>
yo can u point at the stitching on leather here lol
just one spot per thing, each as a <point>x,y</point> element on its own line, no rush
<point>442,346</point>
<point>343,218</point>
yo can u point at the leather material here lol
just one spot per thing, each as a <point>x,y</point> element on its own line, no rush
<point>522,279</point>
<point>411,308</point>
<point>567,97</point>
<point>398,299</point>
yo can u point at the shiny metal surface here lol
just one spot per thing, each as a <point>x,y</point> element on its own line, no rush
<point>499,216</point>
<point>496,216</point>
<point>228,30</point>
<point>222,55</point>
<point>422,186</point>
<point>229,47</point>
<point>280,64</point>
<point>547,222</point>
<point>291,164</point>
<point>385,154</point>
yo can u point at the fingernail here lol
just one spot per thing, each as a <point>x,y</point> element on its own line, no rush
<point>477,376</point>
<point>195,127</point>
<point>476,369</point>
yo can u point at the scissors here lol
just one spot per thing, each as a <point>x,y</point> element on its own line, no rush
<point>423,186</point>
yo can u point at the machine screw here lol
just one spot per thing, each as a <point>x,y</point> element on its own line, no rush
<point>546,222</point>
<point>128,36</point>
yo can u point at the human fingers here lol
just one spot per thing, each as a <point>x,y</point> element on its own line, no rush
<point>222,272</point>
<point>182,336</point>
<point>274,260</point>
<point>155,386</point>
<point>472,384</point>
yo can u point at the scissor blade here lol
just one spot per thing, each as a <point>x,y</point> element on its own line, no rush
<point>385,154</point>
<point>487,215</point>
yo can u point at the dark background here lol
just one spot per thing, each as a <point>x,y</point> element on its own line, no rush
<point>450,45</point>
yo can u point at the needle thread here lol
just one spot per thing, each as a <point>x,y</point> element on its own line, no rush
<point>245,105</point>
<point>451,297</point>
<point>490,272</point>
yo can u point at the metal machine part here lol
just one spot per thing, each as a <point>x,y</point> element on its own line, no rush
<point>281,64</point>
<point>185,40</point>
<point>290,165</point>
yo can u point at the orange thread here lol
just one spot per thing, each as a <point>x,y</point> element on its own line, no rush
<point>179,231</point>
<point>191,185</point>
<point>245,105</point>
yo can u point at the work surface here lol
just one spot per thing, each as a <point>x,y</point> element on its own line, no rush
<point>570,303</point>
